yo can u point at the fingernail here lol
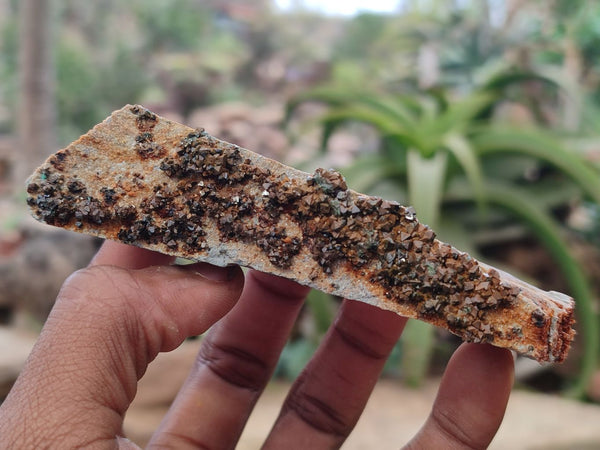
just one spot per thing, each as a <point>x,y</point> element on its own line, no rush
<point>213,273</point>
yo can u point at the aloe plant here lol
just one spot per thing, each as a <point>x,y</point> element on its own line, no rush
<point>429,140</point>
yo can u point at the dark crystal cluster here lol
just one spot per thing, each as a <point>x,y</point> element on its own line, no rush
<point>380,239</point>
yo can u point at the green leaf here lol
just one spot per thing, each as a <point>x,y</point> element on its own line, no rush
<point>366,171</point>
<point>488,141</point>
<point>327,95</point>
<point>467,157</point>
<point>322,308</point>
<point>460,114</point>
<point>294,357</point>
<point>418,339</point>
<point>358,113</point>
<point>386,126</point>
<point>505,79</point>
<point>426,184</point>
<point>393,107</point>
<point>330,126</point>
<point>433,128</point>
<point>391,190</point>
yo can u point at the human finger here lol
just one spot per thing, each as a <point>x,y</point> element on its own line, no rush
<point>471,401</point>
<point>107,325</point>
<point>329,396</point>
<point>235,362</point>
<point>128,256</point>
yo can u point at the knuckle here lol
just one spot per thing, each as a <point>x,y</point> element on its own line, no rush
<point>83,282</point>
<point>454,429</point>
<point>282,288</point>
<point>316,412</point>
<point>359,338</point>
<point>234,365</point>
<point>108,287</point>
<point>102,300</point>
<point>78,281</point>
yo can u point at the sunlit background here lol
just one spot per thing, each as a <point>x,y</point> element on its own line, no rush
<point>482,114</point>
<point>346,8</point>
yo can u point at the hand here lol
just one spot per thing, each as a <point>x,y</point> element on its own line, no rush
<point>112,318</point>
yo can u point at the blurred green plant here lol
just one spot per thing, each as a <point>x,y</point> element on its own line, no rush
<point>569,35</point>
<point>108,53</point>
<point>89,88</point>
<point>8,66</point>
<point>175,25</point>
<point>321,307</point>
<point>428,141</point>
<point>361,35</point>
<point>76,93</point>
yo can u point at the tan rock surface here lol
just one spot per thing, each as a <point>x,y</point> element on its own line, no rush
<point>144,180</point>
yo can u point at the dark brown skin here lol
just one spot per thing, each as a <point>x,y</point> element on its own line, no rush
<point>112,318</point>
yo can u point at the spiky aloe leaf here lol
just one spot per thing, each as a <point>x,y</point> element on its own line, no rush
<point>322,308</point>
<point>496,140</point>
<point>385,125</point>
<point>330,96</point>
<point>458,116</point>
<point>426,178</point>
<point>505,79</point>
<point>366,171</point>
<point>465,154</point>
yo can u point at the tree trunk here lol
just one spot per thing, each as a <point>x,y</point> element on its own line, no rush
<point>36,104</point>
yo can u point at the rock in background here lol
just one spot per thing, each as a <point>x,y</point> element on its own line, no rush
<point>34,262</point>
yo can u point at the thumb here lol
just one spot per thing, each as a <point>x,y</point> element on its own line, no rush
<point>107,325</point>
